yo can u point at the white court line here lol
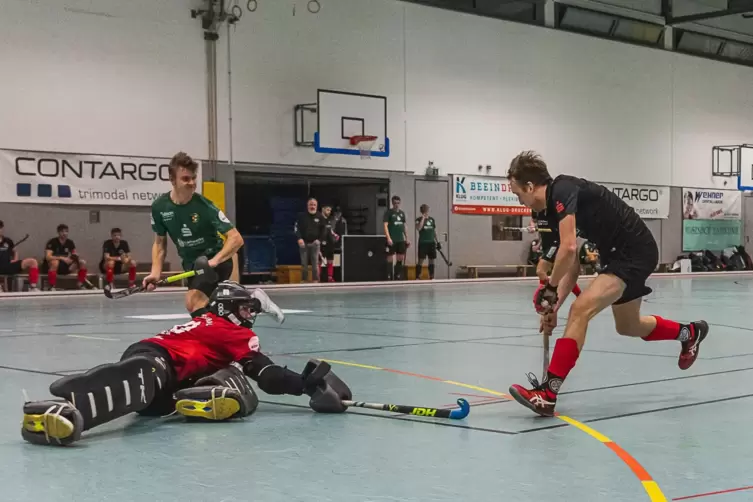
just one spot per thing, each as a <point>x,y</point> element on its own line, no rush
<point>166,317</point>
<point>95,338</point>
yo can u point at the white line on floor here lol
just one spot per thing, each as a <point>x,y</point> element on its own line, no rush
<point>95,338</point>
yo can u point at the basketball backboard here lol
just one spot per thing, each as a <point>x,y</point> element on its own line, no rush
<point>745,179</point>
<point>342,115</point>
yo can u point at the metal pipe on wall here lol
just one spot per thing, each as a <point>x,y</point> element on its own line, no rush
<point>229,96</point>
<point>210,43</point>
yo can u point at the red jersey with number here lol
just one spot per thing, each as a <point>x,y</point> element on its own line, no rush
<point>205,344</point>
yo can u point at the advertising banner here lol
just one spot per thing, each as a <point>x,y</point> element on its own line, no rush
<point>485,195</point>
<point>650,202</point>
<point>714,235</point>
<point>710,204</point>
<point>101,180</point>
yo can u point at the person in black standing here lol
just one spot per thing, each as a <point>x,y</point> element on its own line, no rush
<point>11,265</point>
<point>328,243</point>
<point>61,258</point>
<point>310,231</point>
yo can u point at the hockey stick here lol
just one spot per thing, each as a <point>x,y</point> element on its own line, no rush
<point>138,289</point>
<point>547,333</point>
<point>456,414</point>
<point>527,229</point>
<point>22,240</point>
<point>446,261</point>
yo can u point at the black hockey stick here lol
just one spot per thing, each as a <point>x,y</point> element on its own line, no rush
<point>446,261</point>
<point>456,414</point>
<point>22,240</point>
<point>138,289</point>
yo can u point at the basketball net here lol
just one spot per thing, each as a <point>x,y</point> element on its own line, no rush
<point>364,144</point>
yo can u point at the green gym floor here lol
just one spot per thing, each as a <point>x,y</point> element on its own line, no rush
<point>632,427</point>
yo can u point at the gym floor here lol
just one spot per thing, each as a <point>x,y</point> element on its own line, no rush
<point>632,425</point>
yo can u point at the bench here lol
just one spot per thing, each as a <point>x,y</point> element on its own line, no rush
<point>473,270</point>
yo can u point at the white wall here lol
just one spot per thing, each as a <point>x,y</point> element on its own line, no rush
<point>463,90</point>
<point>105,76</point>
<point>279,60</point>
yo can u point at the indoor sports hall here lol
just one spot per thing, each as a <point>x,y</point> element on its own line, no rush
<point>412,182</point>
<point>632,425</point>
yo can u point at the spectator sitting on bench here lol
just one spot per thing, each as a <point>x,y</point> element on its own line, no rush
<point>61,259</point>
<point>11,265</point>
<point>116,256</point>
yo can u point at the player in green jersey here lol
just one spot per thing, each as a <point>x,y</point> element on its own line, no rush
<point>397,238</point>
<point>427,241</point>
<point>196,227</point>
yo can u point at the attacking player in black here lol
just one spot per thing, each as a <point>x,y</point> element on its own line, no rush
<point>61,259</point>
<point>197,369</point>
<point>331,238</point>
<point>628,256</point>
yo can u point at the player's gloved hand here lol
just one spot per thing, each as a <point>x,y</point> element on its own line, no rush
<point>545,298</point>
<point>204,271</point>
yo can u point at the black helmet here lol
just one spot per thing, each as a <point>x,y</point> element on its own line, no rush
<point>233,302</point>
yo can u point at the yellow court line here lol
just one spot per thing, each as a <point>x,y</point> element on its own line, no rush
<point>649,485</point>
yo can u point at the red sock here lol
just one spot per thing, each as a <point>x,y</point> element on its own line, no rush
<point>576,290</point>
<point>330,269</point>
<point>563,360</point>
<point>82,275</point>
<point>110,275</point>
<point>131,274</point>
<point>52,277</point>
<point>33,275</point>
<point>667,330</point>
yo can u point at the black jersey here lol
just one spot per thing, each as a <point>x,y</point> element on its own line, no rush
<point>58,248</point>
<point>109,248</point>
<point>549,234</point>
<point>6,250</point>
<point>600,216</point>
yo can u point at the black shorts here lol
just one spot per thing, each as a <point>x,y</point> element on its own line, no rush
<point>117,268</point>
<point>397,248</point>
<point>427,250</point>
<point>10,268</point>
<point>633,264</point>
<point>63,267</point>
<point>328,251</point>
<point>163,402</point>
<point>224,271</point>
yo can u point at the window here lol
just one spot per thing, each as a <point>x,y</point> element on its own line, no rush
<point>638,31</point>
<point>586,20</point>
<point>507,228</point>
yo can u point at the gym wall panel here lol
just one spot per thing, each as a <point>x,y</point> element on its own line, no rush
<point>106,77</point>
<point>713,105</point>
<point>591,107</point>
<point>280,59</point>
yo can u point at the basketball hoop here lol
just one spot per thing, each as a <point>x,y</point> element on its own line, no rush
<point>364,144</point>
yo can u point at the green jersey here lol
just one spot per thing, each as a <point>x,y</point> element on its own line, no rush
<point>428,232</point>
<point>395,220</point>
<point>194,227</point>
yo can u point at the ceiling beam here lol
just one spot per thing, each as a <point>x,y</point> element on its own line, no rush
<point>733,7</point>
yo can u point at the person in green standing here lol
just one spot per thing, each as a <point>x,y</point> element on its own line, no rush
<point>427,241</point>
<point>197,227</point>
<point>397,239</point>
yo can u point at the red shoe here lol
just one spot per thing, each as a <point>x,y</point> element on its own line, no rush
<point>689,352</point>
<point>540,398</point>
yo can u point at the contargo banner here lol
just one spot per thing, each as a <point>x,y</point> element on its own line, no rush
<point>710,204</point>
<point>101,180</point>
<point>650,202</point>
<point>485,195</point>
